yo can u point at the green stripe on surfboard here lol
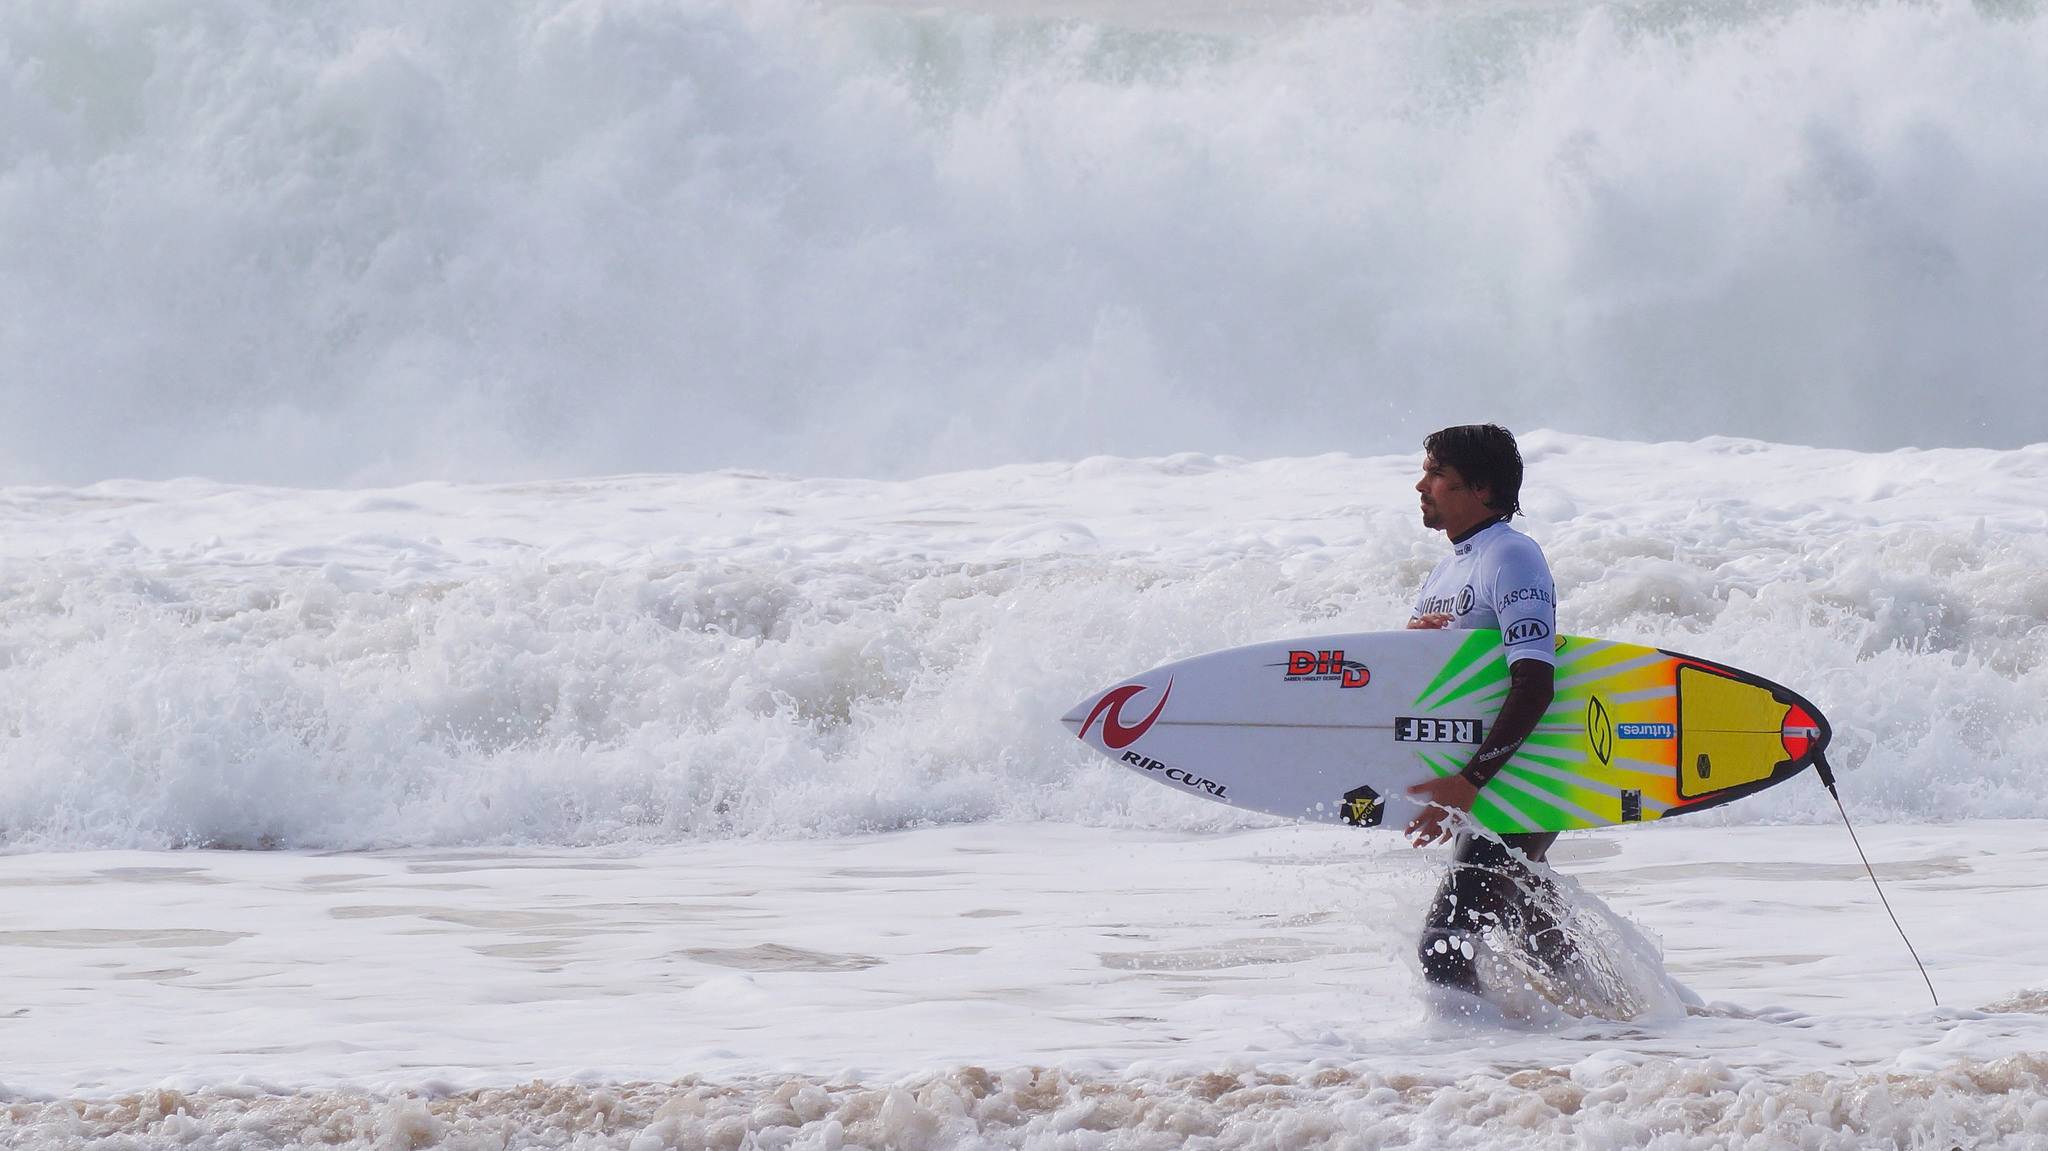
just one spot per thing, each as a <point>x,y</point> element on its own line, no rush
<point>1476,647</point>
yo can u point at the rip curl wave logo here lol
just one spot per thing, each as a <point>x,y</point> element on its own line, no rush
<point>1110,710</point>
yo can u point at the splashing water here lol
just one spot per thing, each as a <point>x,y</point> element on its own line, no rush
<point>376,242</point>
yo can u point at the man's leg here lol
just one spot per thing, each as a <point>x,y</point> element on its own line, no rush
<point>1486,885</point>
<point>1538,912</point>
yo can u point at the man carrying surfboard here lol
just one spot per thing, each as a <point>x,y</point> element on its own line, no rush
<point>1495,577</point>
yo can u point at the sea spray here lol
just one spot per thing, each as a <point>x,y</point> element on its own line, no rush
<point>717,655</point>
<point>377,242</point>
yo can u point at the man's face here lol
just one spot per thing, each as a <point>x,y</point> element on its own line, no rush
<point>1448,503</point>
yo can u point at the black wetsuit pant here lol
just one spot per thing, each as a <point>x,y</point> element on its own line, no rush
<point>1490,885</point>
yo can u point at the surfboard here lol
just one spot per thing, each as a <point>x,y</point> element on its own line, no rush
<point>1336,728</point>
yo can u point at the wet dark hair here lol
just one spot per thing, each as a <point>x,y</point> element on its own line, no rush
<point>1485,455</point>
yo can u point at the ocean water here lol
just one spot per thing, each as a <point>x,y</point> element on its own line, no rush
<point>542,545</point>
<point>731,809</point>
<point>372,243</point>
<point>682,658</point>
<point>1010,984</point>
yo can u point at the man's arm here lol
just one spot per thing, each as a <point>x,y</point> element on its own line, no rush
<point>1532,684</point>
<point>1524,598</point>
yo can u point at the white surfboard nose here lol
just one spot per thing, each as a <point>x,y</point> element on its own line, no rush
<point>1079,713</point>
<point>1113,720</point>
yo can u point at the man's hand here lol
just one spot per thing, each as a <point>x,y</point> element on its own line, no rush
<point>1435,619</point>
<point>1447,799</point>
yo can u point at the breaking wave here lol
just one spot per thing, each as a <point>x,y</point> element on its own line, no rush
<point>723,655</point>
<point>373,242</point>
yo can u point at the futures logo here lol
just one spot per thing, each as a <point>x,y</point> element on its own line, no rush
<point>1110,708</point>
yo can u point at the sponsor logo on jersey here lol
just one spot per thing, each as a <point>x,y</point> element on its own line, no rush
<point>1523,594</point>
<point>1465,600</point>
<point>1184,778</point>
<point>1110,710</point>
<point>1525,631</point>
<point>1323,667</point>
<point>1646,731</point>
<point>1599,730</point>
<point>1423,729</point>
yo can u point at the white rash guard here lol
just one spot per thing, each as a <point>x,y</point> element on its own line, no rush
<point>1497,577</point>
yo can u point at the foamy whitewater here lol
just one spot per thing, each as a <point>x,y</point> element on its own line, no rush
<point>730,809</point>
<point>382,240</point>
<point>667,464</point>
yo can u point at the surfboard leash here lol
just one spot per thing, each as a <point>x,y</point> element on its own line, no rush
<point>1827,779</point>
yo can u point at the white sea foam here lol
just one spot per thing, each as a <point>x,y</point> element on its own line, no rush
<point>382,241</point>
<point>1988,1106</point>
<point>379,243</point>
<point>673,658</point>
<point>1024,984</point>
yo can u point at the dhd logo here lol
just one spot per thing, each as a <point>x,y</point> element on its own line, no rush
<point>1320,666</point>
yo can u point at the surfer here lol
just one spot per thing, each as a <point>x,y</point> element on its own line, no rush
<point>1495,577</point>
